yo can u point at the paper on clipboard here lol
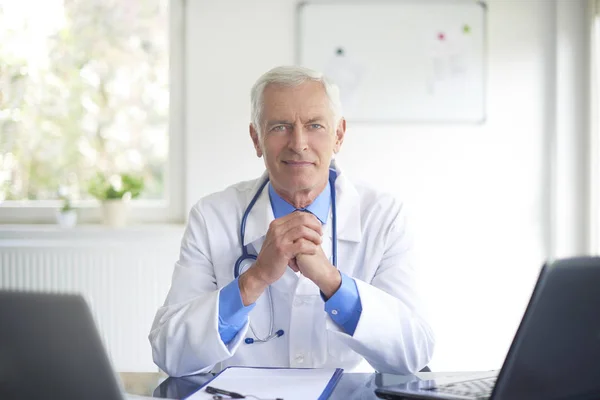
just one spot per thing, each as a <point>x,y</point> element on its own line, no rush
<point>271,383</point>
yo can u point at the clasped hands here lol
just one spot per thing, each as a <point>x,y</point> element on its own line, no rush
<point>295,241</point>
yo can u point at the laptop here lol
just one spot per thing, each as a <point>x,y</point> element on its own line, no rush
<point>555,353</point>
<point>50,349</point>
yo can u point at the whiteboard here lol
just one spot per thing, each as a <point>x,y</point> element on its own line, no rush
<point>403,61</point>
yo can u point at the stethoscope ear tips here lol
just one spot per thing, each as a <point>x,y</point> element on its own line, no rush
<point>279,333</point>
<point>248,340</point>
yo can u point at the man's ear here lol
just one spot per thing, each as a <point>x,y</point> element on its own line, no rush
<point>340,132</point>
<point>256,141</point>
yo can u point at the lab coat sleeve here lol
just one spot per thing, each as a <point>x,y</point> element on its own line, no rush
<point>185,335</point>
<point>392,334</point>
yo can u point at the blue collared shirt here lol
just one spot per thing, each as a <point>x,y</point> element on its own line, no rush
<point>319,208</point>
<point>344,307</point>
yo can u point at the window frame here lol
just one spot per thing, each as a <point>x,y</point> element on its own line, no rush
<point>593,228</point>
<point>168,210</point>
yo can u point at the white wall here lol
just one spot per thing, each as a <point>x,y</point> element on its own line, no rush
<point>479,195</point>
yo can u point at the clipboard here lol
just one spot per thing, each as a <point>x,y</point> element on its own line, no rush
<point>272,383</point>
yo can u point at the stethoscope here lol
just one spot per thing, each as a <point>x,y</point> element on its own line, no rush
<point>248,259</point>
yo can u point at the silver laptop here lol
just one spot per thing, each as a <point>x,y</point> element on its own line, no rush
<point>555,353</point>
<point>50,349</point>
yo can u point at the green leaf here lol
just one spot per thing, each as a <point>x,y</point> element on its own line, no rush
<point>101,189</point>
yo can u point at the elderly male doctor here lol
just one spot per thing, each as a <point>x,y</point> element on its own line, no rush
<point>300,267</point>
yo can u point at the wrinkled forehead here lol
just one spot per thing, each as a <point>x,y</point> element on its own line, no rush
<point>305,101</point>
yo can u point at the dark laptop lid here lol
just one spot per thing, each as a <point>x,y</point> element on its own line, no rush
<point>556,351</point>
<point>50,349</point>
<point>555,354</point>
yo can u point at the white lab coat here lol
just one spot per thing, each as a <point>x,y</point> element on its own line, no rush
<point>373,248</point>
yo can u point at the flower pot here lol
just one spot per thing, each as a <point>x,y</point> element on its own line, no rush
<point>66,219</point>
<point>115,212</point>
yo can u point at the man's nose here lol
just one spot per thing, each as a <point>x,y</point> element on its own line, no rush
<point>299,139</point>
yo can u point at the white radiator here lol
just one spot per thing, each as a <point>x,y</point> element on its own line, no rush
<point>124,276</point>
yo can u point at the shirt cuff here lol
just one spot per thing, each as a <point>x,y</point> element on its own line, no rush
<point>344,307</point>
<point>232,312</point>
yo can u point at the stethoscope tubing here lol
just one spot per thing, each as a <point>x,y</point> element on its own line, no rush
<point>247,256</point>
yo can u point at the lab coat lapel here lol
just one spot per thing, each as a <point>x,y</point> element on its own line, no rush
<point>260,216</point>
<point>349,225</point>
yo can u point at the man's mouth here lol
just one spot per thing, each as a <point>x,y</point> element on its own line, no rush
<point>297,163</point>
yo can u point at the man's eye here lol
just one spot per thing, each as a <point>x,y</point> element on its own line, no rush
<point>316,126</point>
<point>278,128</point>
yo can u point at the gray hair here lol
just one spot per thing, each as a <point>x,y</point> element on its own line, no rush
<point>291,76</point>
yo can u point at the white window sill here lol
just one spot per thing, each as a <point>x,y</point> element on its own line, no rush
<point>44,213</point>
<point>52,233</point>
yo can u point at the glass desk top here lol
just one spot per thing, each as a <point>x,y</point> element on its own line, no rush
<point>352,386</point>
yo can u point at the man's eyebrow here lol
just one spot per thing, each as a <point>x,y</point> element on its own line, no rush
<point>279,122</point>
<point>286,122</point>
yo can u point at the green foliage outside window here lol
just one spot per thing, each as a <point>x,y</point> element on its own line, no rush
<point>83,93</point>
<point>124,186</point>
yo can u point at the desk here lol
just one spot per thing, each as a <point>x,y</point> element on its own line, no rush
<point>351,386</point>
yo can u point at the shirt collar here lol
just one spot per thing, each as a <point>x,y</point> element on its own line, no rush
<point>319,207</point>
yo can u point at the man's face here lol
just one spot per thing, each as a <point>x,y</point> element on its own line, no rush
<point>298,136</point>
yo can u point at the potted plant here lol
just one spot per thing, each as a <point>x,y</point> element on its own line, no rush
<point>115,192</point>
<point>66,215</point>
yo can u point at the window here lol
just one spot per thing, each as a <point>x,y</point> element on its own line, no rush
<point>87,88</point>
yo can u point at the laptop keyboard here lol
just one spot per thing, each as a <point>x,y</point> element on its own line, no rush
<point>480,389</point>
